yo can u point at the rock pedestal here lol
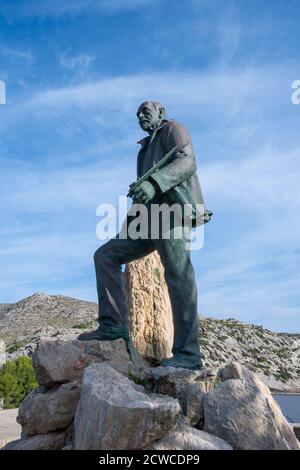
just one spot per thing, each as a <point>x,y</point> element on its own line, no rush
<point>44,410</point>
<point>149,308</point>
<point>57,362</point>
<point>187,438</point>
<point>115,413</point>
<point>93,395</point>
<point>242,411</point>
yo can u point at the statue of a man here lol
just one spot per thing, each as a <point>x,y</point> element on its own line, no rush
<point>176,181</point>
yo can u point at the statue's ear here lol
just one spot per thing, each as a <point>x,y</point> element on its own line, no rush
<point>162,112</point>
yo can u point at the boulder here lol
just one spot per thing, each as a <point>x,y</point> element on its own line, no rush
<point>51,441</point>
<point>64,361</point>
<point>191,401</point>
<point>149,308</point>
<point>187,438</point>
<point>242,411</point>
<point>235,370</point>
<point>44,411</point>
<point>114,413</point>
<point>170,380</point>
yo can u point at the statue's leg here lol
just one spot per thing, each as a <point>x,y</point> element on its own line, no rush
<point>180,278</point>
<point>109,258</point>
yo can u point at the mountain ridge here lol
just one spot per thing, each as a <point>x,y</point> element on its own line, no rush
<point>275,357</point>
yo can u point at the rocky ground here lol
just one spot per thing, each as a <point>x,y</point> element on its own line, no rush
<point>96,395</point>
<point>275,357</point>
<point>10,430</point>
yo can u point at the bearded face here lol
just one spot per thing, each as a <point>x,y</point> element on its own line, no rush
<point>149,116</point>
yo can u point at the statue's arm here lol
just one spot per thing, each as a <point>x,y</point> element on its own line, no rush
<point>182,165</point>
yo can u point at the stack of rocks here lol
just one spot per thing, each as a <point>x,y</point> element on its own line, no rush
<point>94,395</point>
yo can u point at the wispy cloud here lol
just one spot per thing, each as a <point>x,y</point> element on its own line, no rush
<point>252,269</point>
<point>234,94</point>
<point>79,61</point>
<point>57,8</point>
<point>20,53</point>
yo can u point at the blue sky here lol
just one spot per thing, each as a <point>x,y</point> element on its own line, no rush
<point>76,72</point>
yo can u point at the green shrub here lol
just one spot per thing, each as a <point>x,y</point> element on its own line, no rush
<point>223,338</point>
<point>15,346</point>
<point>17,379</point>
<point>137,380</point>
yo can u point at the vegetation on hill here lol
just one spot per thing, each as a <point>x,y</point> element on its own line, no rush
<point>17,379</point>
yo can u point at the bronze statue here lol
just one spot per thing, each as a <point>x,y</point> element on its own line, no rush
<point>174,182</point>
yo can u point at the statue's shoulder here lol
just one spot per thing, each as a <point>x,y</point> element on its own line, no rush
<point>171,125</point>
<point>175,127</point>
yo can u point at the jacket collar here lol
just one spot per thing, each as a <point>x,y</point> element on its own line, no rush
<point>147,139</point>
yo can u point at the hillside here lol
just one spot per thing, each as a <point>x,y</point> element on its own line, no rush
<point>274,356</point>
<point>19,321</point>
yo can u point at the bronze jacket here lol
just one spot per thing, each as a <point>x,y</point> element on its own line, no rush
<point>177,180</point>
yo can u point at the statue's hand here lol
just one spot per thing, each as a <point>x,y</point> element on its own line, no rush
<point>144,192</point>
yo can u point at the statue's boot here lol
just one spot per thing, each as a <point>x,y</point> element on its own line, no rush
<point>178,362</point>
<point>105,332</point>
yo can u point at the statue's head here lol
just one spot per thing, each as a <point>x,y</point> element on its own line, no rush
<point>150,115</point>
